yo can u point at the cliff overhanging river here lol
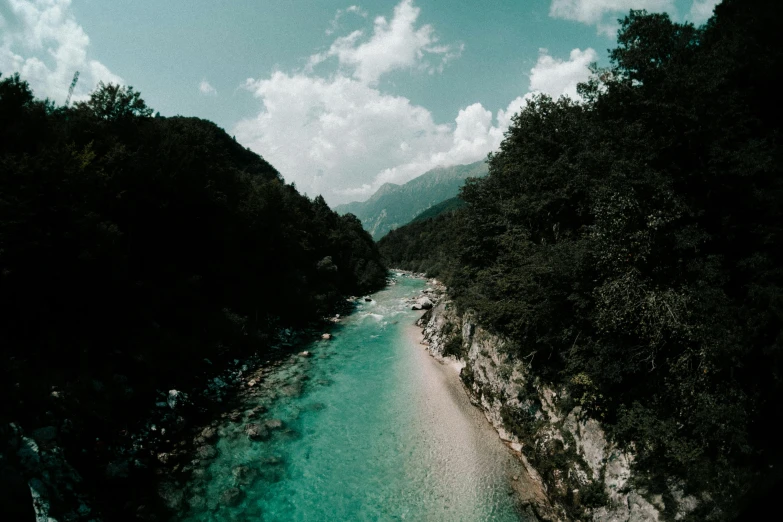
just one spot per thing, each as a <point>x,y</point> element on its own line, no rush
<point>365,426</point>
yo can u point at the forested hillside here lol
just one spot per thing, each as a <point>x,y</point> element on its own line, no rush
<point>629,246</point>
<point>395,205</point>
<point>138,251</point>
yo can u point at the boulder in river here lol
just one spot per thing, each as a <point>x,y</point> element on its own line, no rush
<point>424,302</point>
<point>326,336</point>
<point>255,431</point>
<point>176,399</point>
<point>206,452</point>
<point>208,433</point>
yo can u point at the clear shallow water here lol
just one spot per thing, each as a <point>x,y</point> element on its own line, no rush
<point>372,429</point>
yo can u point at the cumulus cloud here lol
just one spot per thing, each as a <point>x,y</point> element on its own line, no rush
<point>555,77</point>
<point>42,41</point>
<point>395,44</point>
<point>343,138</point>
<point>206,88</point>
<point>604,13</point>
<point>333,135</point>
<point>701,10</point>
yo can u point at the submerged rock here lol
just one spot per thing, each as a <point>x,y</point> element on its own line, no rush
<point>45,434</point>
<point>292,390</point>
<point>255,431</point>
<point>117,469</point>
<point>171,495</point>
<point>244,475</point>
<point>201,473</point>
<point>273,424</point>
<point>197,502</point>
<point>231,497</point>
<point>273,460</point>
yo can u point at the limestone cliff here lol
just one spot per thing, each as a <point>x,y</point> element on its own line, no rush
<point>585,475</point>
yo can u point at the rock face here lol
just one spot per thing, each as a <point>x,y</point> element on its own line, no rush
<point>527,414</point>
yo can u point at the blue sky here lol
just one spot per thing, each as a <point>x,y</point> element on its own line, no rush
<point>341,96</point>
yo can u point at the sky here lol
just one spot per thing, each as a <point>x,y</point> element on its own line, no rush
<point>340,96</point>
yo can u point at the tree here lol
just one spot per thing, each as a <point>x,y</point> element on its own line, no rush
<point>116,103</point>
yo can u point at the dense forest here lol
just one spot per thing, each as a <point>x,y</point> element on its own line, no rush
<point>138,251</point>
<point>625,244</point>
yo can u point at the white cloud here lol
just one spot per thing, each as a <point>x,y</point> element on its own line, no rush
<point>604,13</point>
<point>342,138</point>
<point>701,10</point>
<point>334,25</point>
<point>395,44</point>
<point>330,136</point>
<point>554,76</point>
<point>206,89</point>
<point>43,43</point>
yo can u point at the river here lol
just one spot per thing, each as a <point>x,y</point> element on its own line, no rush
<point>372,428</point>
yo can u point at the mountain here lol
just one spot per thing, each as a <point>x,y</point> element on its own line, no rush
<point>395,205</point>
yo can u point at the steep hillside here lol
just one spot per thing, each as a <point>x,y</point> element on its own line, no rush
<point>443,207</point>
<point>623,250</point>
<point>395,205</point>
<point>139,254</point>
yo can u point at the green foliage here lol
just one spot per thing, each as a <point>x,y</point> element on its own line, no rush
<point>449,205</point>
<point>627,245</point>
<point>115,103</point>
<point>132,248</point>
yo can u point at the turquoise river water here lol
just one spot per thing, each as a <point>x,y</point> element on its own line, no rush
<point>372,428</point>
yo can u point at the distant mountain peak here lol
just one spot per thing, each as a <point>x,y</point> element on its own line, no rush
<point>393,205</point>
<point>386,188</point>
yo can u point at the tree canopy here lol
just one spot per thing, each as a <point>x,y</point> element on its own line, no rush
<point>134,249</point>
<point>627,242</point>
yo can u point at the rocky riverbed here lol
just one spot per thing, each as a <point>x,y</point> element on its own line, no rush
<point>363,425</point>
